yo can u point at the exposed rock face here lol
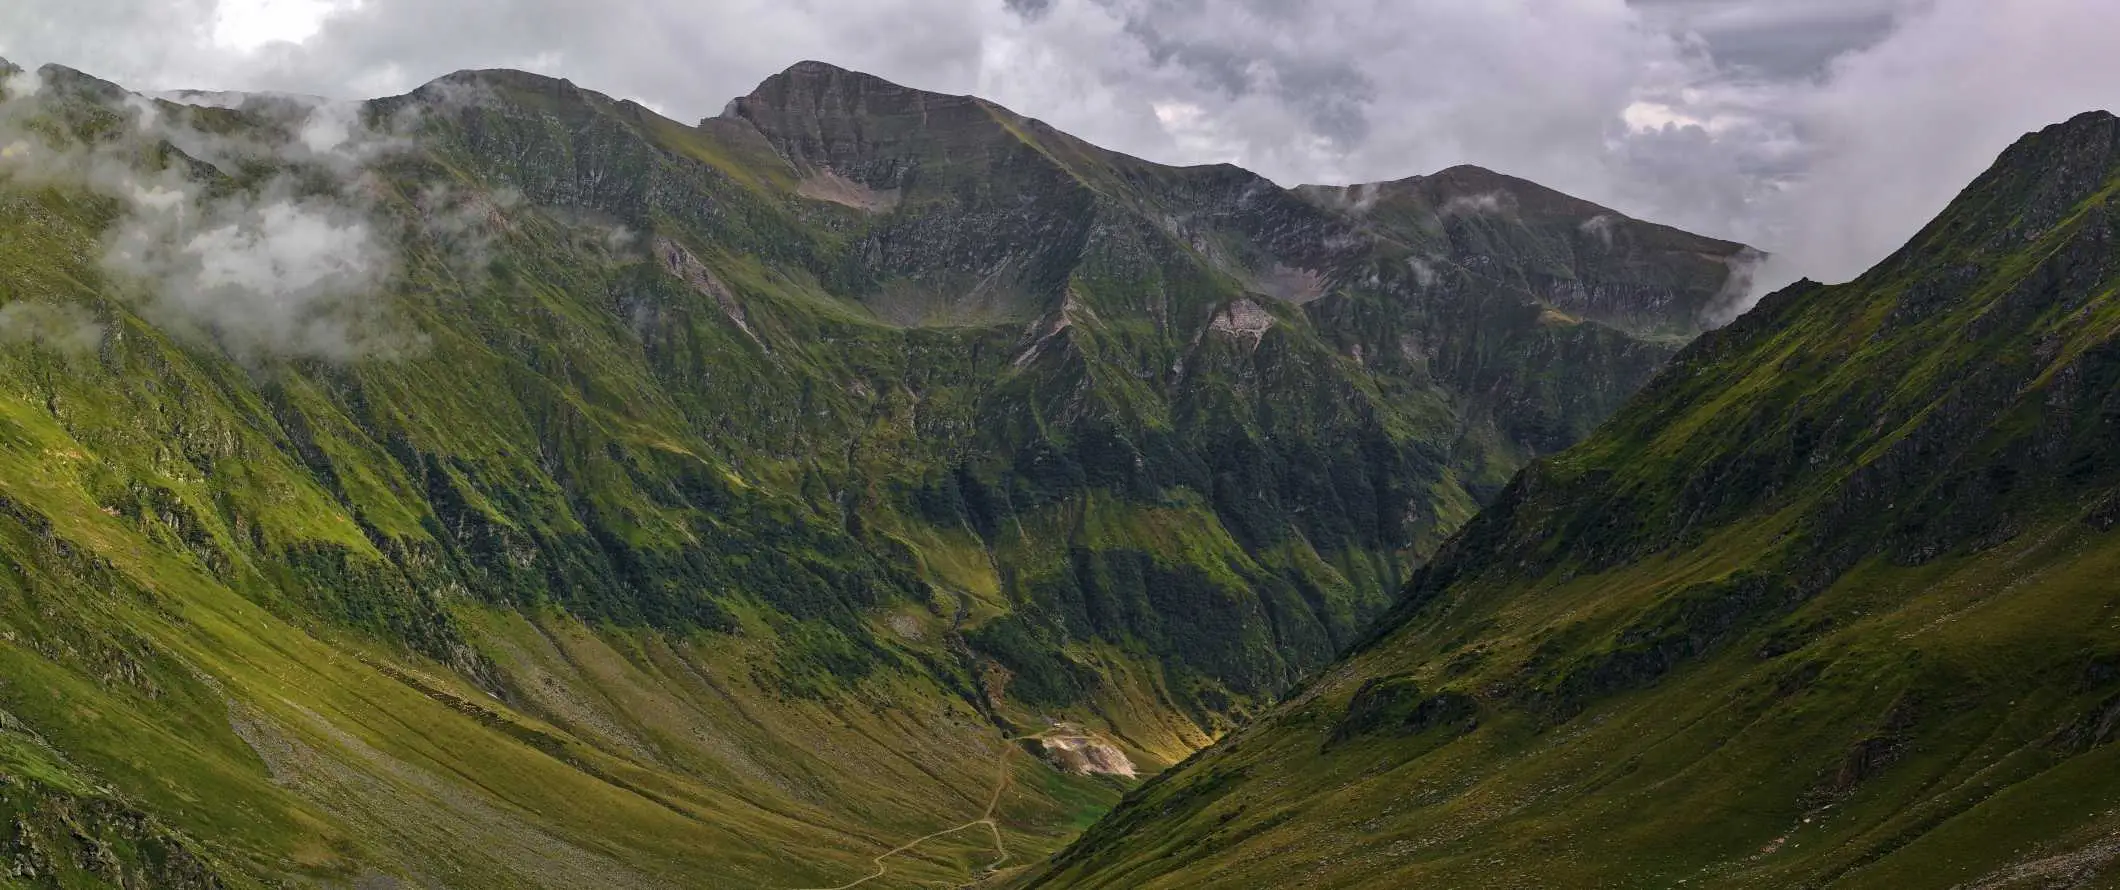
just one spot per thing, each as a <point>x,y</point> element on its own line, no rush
<point>63,841</point>
<point>825,185</point>
<point>687,268</point>
<point>59,832</point>
<point>1086,755</point>
<point>1814,609</point>
<point>1244,320</point>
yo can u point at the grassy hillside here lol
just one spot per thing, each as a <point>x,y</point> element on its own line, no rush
<point>1829,604</point>
<point>501,485</point>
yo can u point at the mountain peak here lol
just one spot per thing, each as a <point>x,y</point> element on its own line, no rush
<point>72,82</point>
<point>1469,172</point>
<point>1468,185</point>
<point>2096,117</point>
<point>812,71</point>
<point>861,127</point>
<point>504,79</point>
<point>1467,180</point>
<point>813,68</point>
<point>2033,187</point>
<point>823,86</point>
<point>2095,131</point>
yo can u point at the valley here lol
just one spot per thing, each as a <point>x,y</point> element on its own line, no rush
<point>503,485</point>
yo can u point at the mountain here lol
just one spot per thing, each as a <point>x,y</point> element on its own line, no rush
<point>502,485</point>
<point>1828,604</point>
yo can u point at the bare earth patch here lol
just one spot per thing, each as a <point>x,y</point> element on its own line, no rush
<point>825,185</point>
<point>1085,755</point>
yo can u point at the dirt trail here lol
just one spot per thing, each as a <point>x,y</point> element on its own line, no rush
<point>1002,776</point>
<point>1002,780</point>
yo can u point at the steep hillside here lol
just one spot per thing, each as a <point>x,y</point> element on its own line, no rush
<point>502,485</point>
<point>1830,603</point>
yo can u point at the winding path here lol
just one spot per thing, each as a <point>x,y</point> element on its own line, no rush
<point>993,801</point>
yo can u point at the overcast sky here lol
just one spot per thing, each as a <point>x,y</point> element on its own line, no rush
<point>1824,130</point>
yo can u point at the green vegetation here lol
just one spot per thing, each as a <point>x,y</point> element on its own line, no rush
<point>1830,603</point>
<point>716,505</point>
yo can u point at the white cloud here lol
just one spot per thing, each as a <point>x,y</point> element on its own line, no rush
<point>280,269</point>
<point>20,85</point>
<point>273,274</point>
<point>248,24</point>
<point>1896,131</point>
<point>66,328</point>
<point>1482,204</point>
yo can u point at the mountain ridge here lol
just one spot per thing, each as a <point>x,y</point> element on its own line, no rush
<point>561,496</point>
<point>1822,606</point>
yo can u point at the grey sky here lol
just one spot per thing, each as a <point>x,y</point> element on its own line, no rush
<point>1784,39</point>
<point>1824,130</point>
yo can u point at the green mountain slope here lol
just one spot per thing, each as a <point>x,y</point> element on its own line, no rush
<point>1830,603</point>
<point>502,485</point>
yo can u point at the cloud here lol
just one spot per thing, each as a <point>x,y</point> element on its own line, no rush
<point>19,84</point>
<point>1778,39</point>
<point>272,273</point>
<point>1482,204</point>
<point>1894,132</point>
<point>464,225</point>
<point>1741,290</point>
<point>1424,271</point>
<point>66,328</point>
<point>1825,131</point>
<point>294,266</point>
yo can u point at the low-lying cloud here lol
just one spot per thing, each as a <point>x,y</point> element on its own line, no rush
<point>1893,133</point>
<point>1482,204</point>
<point>63,327</point>
<point>270,273</point>
<point>295,266</point>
